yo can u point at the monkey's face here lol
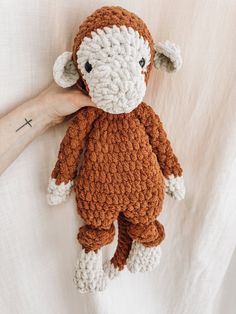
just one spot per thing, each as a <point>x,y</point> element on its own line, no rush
<point>113,53</point>
<point>113,62</point>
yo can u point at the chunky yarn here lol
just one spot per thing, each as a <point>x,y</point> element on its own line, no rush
<point>116,156</point>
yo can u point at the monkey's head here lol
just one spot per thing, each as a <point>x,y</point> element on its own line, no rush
<point>112,57</point>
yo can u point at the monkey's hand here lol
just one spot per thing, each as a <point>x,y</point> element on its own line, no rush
<point>58,193</point>
<point>175,187</point>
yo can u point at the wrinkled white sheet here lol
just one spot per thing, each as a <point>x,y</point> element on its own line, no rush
<point>38,246</point>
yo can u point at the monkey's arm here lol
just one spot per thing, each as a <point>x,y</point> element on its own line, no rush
<point>167,160</point>
<point>65,170</point>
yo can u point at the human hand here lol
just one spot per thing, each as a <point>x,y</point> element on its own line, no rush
<point>20,126</point>
<point>58,102</point>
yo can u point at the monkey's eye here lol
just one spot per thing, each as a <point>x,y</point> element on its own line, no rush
<point>88,67</point>
<point>142,62</point>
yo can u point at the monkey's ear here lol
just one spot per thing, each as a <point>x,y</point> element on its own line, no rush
<point>167,57</point>
<point>65,72</point>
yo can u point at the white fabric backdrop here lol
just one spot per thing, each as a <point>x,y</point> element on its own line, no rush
<point>38,246</point>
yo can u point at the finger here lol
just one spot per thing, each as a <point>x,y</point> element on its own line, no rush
<point>80,99</point>
<point>70,116</point>
<point>83,100</point>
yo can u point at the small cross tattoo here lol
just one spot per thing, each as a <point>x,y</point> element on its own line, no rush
<point>26,122</point>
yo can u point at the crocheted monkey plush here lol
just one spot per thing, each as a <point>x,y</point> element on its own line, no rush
<point>128,163</point>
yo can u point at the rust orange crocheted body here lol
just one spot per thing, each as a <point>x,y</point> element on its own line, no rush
<point>125,158</point>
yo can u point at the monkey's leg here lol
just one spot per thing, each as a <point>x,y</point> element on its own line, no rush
<point>89,274</point>
<point>145,252</point>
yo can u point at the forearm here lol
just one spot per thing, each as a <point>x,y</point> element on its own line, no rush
<point>19,127</point>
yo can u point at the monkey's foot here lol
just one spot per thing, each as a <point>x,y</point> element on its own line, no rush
<point>142,258</point>
<point>110,270</point>
<point>89,274</point>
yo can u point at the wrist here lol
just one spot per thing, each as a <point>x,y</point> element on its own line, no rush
<point>34,112</point>
<point>40,113</point>
<point>49,102</point>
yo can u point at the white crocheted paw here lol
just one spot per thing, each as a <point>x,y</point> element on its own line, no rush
<point>58,193</point>
<point>142,258</point>
<point>110,270</point>
<point>89,274</point>
<point>175,187</point>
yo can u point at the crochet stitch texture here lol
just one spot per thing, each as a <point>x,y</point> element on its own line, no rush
<point>126,156</point>
<point>115,156</point>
